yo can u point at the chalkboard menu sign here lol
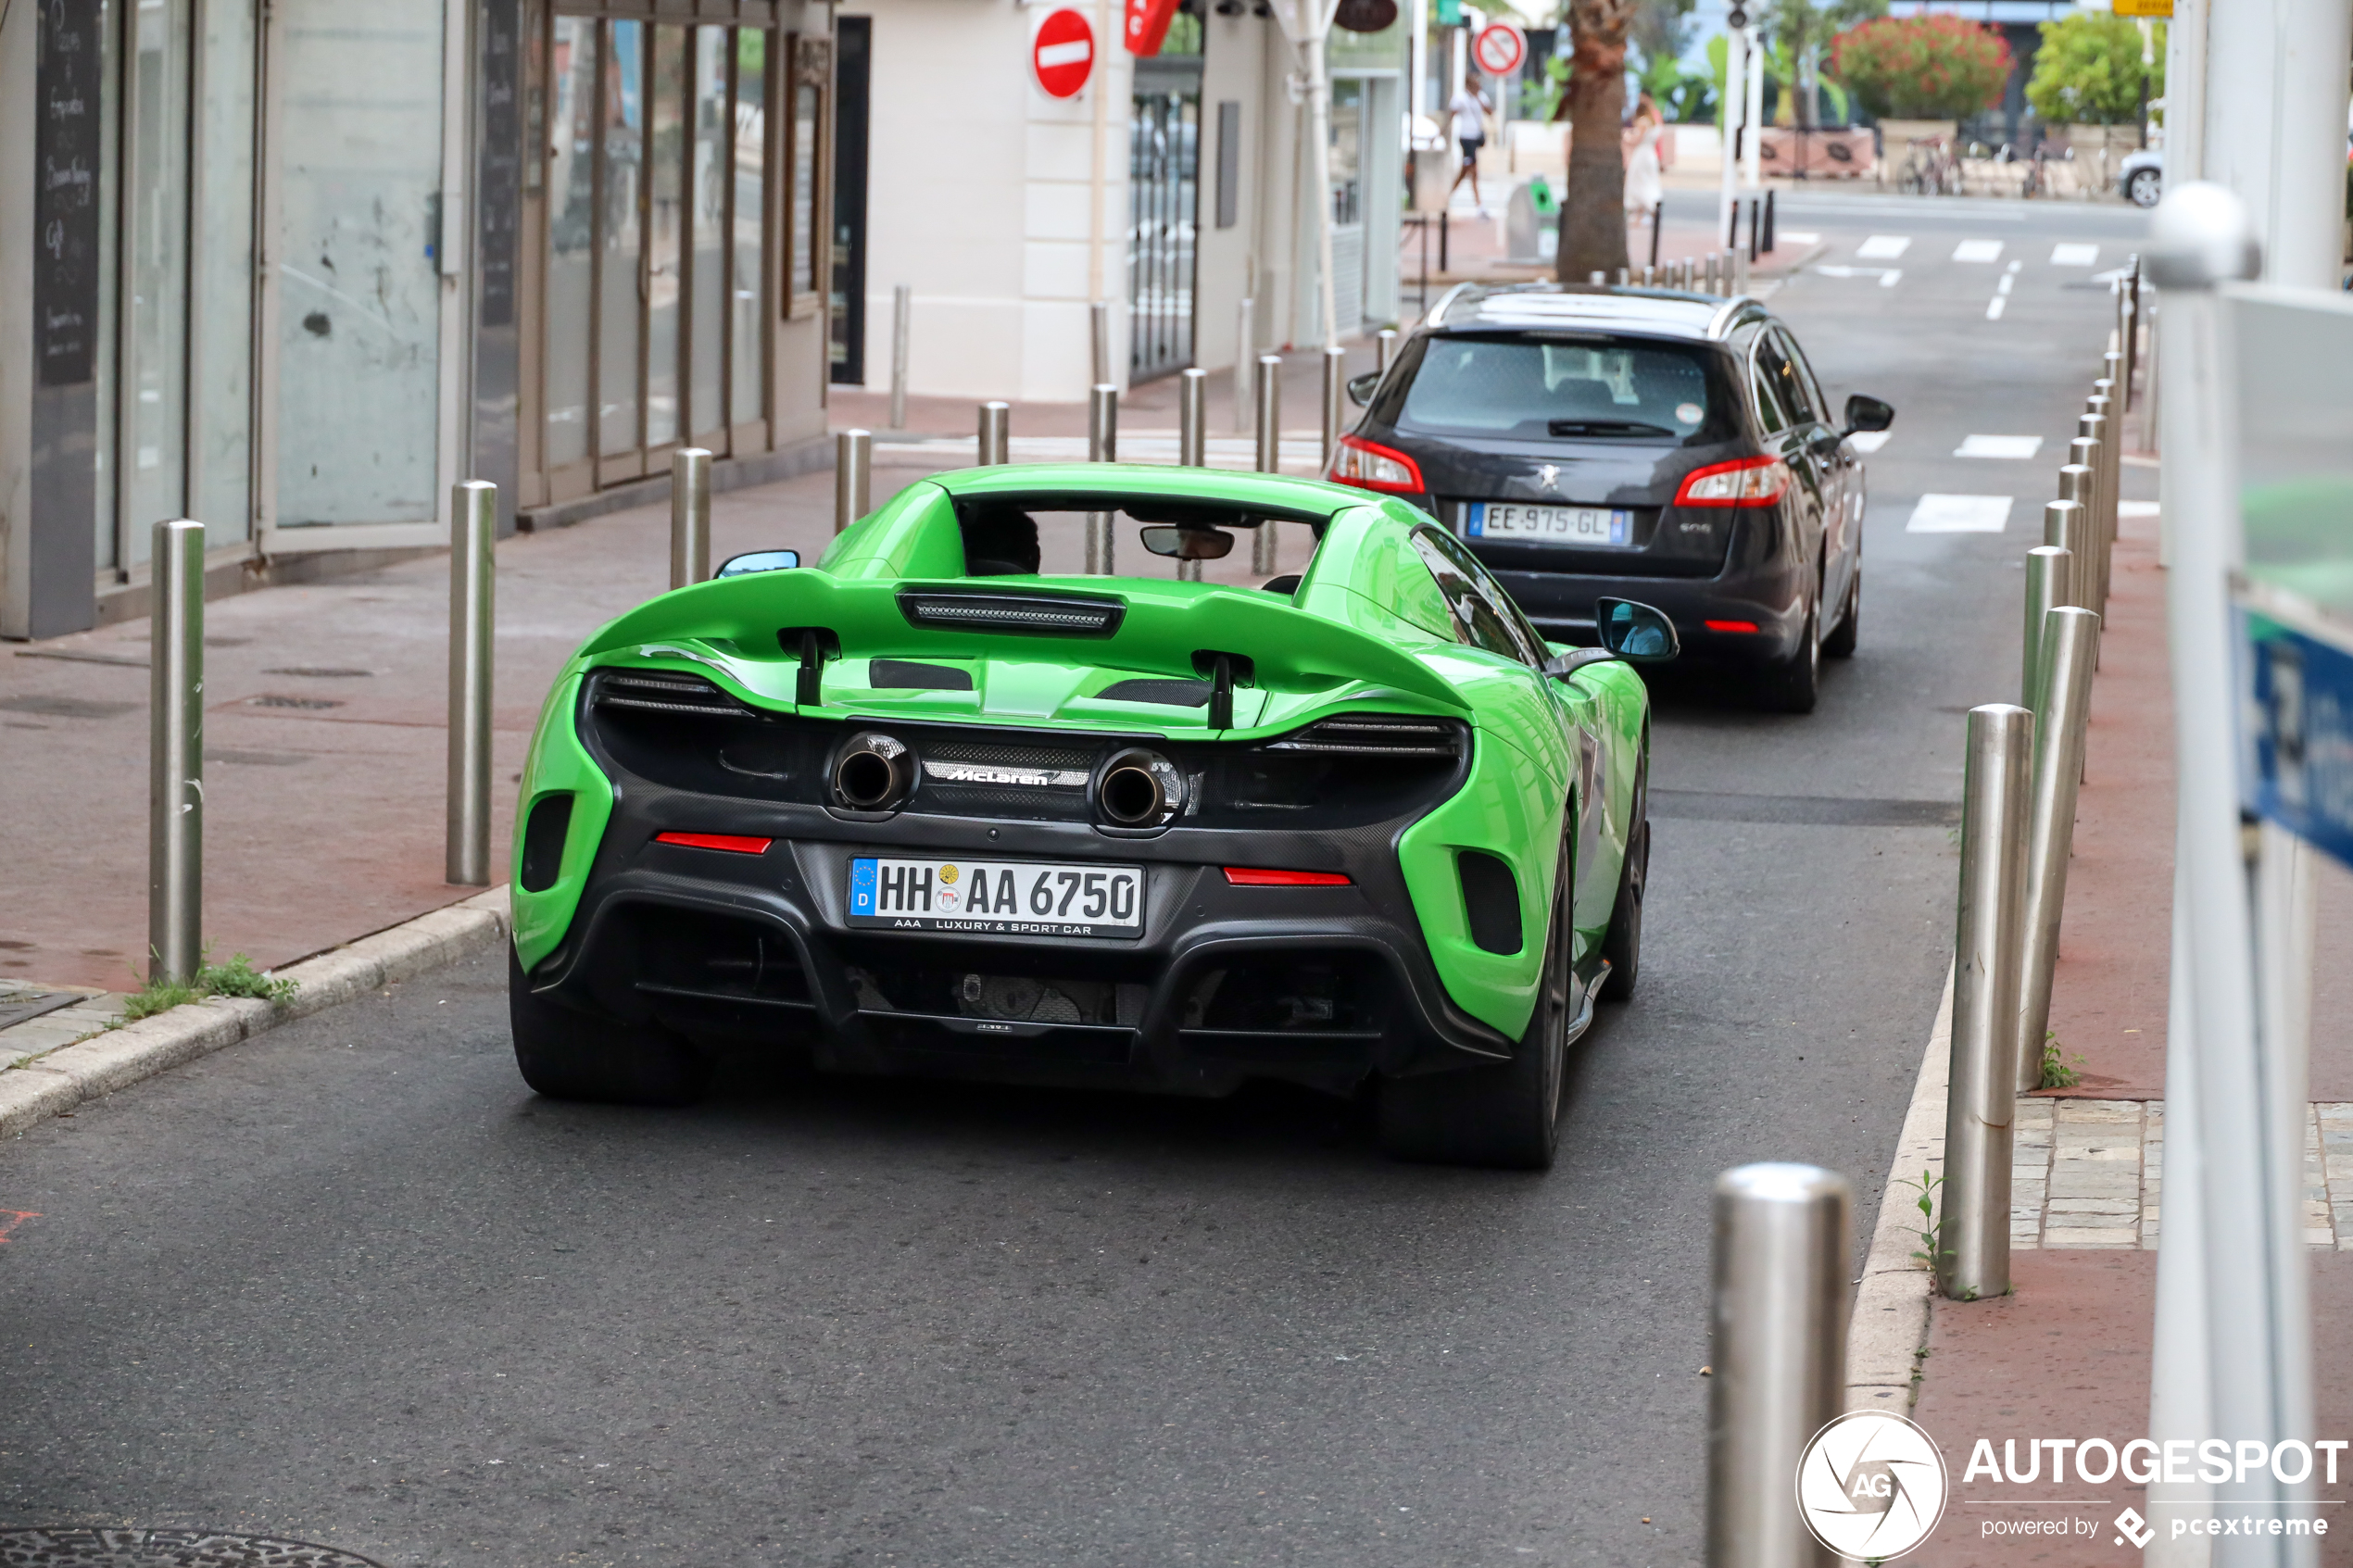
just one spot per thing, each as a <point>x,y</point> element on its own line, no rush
<point>500,199</point>
<point>65,202</point>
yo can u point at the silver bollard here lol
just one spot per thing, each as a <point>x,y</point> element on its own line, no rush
<point>175,752</point>
<point>1334,399</point>
<point>1267,397</point>
<point>2083,453</point>
<point>689,516</point>
<point>1625,276</point>
<point>1707,285</point>
<point>2049,572</point>
<point>1245,355</point>
<point>1736,273</point>
<point>1973,1228</point>
<point>1099,340</point>
<point>2062,708</point>
<point>1102,447</point>
<point>853,476</point>
<point>1650,277</point>
<point>902,311</point>
<point>1192,442</point>
<point>2063,528</point>
<point>1384,349</point>
<point>993,439</point>
<point>1597,279</point>
<point>2104,402</point>
<point>473,530</point>
<point>2094,427</point>
<point>1785,1242</point>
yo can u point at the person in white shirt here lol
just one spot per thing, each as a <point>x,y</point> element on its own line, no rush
<point>1470,131</point>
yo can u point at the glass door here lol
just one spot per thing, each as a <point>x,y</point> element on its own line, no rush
<point>1163,203</point>
<point>1348,204</point>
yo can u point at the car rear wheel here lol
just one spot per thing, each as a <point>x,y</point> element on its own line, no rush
<point>1840,643</point>
<point>2144,188</point>
<point>1623,947</point>
<point>1792,684</point>
<point>1506,1116</point>
<point>568,1055</point>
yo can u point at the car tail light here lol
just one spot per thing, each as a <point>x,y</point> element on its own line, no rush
<point>1252,876</point>
<point>734,843</point>
<point>1750,482</point>
<point>1730,625</point>
<point>1371,467</point>
<point>1377,734</point>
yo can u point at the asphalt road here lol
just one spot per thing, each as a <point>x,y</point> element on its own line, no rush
<point>351,1283</point>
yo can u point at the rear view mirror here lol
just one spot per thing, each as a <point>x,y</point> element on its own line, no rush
<point>1868,413</point>
<point>1189,544</point>
<point>758,561</point>
<point>1360,388</point>
<point>1635,633</point>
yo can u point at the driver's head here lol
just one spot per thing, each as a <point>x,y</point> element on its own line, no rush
<point>999,541</point>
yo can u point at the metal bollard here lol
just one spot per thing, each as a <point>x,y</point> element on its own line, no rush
<point>2083,453</point>
<point>1650,277</point>
<point>689,516</point>
<point>1737,272</point>
<point>1708,284</point>
<point>1099,339</point>
<point>1384,349</point>
<point>2062,708</point>
<point>2049,573</point>
<point>993,439</point>
<point>1245,355</point>
<point>175,753</point>
<point>1598,278</point>
<point>2096,428</point>
<point>853,476</point>
<point>473,529</point>
<point>1973,1227</point>
<point>2111,477</point>
<point>1269,399</point>
<point>1625,276</point>
<point>2131,312</point>
<point>1335,400</point>
<point>902,311</point>
<point>1102,447</point>
<point>1784,1241</point>
<point>2063,526</point>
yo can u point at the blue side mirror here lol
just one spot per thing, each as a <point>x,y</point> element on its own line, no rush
<point>758,561</point>
<point>1636,633</point>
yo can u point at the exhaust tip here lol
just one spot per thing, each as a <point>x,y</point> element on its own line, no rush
<point>1139,789</point>
<point>873,772</point>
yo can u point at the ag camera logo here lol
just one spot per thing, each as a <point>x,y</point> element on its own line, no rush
<point>1871,1485</point>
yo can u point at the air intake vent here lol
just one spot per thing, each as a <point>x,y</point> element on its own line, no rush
<point>1377,735</point>
<point>663,692</point>
<point>1490,900</point>
<point>1175,693</point>
<point>1039,614</point>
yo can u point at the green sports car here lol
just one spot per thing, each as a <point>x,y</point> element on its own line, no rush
<point>920,809</point>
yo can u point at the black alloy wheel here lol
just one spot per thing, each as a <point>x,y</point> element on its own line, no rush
<point>1792,684</point>
<point>1622,948</point>
<point>568,1055</point>
<point>1506,1116</point>
<point>1840,643</point>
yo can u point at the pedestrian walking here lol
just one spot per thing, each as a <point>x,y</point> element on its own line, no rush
<point>1643,192</point>
<point>1470,132</point>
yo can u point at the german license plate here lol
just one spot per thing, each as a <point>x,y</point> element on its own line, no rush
<point>1562,525</point>
<point>998,897</point>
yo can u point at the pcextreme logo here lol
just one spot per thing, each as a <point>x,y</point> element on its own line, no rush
<point>1871,1485</point>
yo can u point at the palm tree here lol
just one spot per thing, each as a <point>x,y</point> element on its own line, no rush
<point>1593,212</point>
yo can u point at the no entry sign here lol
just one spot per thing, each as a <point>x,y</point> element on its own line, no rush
<point>1499,48</point>
<point>1063,53</point>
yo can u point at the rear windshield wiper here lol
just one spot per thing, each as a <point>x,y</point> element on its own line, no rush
<point>1605,427</point>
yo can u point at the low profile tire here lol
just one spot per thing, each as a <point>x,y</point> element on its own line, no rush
<point>1795,685</point>
<point>1840,643</point>
<point>1507,1116</point>
<point>568,1055</point>
<point>1623,945</point>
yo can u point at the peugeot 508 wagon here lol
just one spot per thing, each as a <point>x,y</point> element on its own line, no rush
<point>1591,442</point>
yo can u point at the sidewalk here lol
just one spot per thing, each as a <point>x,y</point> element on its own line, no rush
<point>2067,1354</point>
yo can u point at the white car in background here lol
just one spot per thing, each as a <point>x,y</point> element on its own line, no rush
<point>2140,179</point>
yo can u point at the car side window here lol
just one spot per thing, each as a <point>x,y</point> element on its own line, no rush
<point>1807,390</point>
<point>1484,625</point>
<point>1764,386</point>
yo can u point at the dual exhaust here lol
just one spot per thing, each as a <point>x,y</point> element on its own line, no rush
<point>1133,789</point>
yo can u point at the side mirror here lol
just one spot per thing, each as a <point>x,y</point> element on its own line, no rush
<point>757,560</point>
<point>1635,633</point>
<point>1868,413</point>
<point>1189,544</point>
<point>1360,388</point>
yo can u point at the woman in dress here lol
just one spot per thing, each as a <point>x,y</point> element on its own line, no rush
<point>1642,188</point>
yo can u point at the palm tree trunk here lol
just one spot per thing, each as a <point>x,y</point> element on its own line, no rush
<point>1593,211</point>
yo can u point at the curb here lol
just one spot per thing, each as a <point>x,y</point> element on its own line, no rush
<point>72,1075</point>
<point>1888,1328</point>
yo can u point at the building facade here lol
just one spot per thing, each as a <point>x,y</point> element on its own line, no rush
<point>294,269</point>
<point>1172,186</point>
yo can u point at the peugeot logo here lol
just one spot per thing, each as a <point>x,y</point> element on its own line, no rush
<point>1549,475</point>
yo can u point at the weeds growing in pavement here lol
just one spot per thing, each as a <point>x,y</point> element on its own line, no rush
<point>1926,1184</point>
<point>236,978</point>
<point>2057,1074</point>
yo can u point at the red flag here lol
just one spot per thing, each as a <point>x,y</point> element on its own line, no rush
<point>1146,25</point>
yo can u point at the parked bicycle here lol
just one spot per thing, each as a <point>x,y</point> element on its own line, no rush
<point>1930,169</point>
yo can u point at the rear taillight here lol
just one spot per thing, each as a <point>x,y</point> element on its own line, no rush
<point>734,843</point>
<point>1750,482</point>
<point>1369,466</point>
<point>1256,876</point>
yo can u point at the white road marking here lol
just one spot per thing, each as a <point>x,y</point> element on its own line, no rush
<point>2018,449</point>
<point>1883,247</point>
<point>2018,266</point>
<point>1872,440</point>
<point>2074,255</point>
<point>1996,306</point>
<point>2004,286</point>
<point>1886,275</point>
<point>1794,235</point>
<point>1978,250</point>
<point>1960,514</point>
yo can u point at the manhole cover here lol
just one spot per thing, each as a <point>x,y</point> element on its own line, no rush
<point>318,671</point>
<point>274,700</point>
<point>164,1548</point>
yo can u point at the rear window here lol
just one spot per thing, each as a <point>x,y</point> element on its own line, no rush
<point>1563,388</point>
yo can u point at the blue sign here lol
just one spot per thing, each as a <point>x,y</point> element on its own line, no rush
<point>2296,719</point>
<point>861,887</point>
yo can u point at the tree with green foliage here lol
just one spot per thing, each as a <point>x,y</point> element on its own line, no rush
<point>1922,68</point>
<point>1804,28</point>
<point>1592,223</point>
<point>2089,71</point>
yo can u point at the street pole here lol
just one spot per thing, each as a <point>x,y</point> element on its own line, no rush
<point>1334,399</point>
<point>1973,1227</point>
<point>473,529</point>
<point>1785,1242</point>
<point>1102,447</point>
<point>853,476</point>
<point>1192,442</point>
<point>1269,402</point>
<point>1384,349</point>
<point>1730,120</point>
<point>1753,145</point>
<point>1099,339</point>
<point>993,438</point>
<point>175,753</point>
<point>2062,708</point>
<point>902,309</point>
<point>689,516</point>
<point>1245,355</point>
<point>1319,160</point>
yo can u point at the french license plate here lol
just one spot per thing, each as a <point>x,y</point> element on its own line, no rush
<point>997,898</point>
<point>1565,525</point>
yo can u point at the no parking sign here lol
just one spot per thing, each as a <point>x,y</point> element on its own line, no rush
<point>1499,48</point>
